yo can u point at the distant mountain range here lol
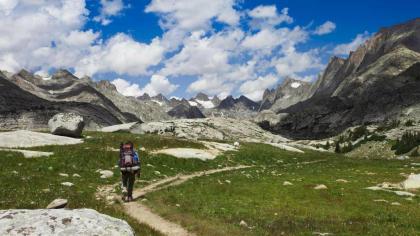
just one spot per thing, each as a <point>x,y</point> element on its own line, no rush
<point>379,81</point>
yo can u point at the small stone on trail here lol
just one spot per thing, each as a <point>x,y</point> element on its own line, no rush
<point>396,204</point>
<point>227,181</point>
<point>46,190</point>
<point>177,205</point>
<point>68,184</point>
<point>76,175</point>
<point>236,144</point>
<point>63,175</point>
<point>320,187</point>
<point>285,183</point>
<point>157,172</point>
<point>57,203</point>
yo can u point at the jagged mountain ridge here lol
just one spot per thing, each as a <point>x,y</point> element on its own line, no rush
<point>379,81</point>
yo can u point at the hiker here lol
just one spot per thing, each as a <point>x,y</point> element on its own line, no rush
<point>129,164</point>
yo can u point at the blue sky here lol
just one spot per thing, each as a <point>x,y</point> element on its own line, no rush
<point>181,47</point>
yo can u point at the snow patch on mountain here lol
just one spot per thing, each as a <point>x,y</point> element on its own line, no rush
<point>295,85</point>
<point>206,104</point>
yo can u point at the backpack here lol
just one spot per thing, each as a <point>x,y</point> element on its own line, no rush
<point>127,157</point>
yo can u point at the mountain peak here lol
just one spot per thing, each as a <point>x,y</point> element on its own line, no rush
<point>63,74</point>
<point>202,96</point>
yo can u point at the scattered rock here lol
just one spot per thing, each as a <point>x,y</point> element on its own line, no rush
<point>105,174</point>
<point>227,181</point>
<point>57,203</point>
<point>188,153</point>
<point>121,127</point>
<point>63,175</point>
<point>342,181</point>
<point>412,182</point>
<point>28,153</point>
<point>68,184</point>
<point>396,204</point>
<point>142,149</point>
<point>403,193</point>
<point>157,172</point>
<point>25,139</point>
<point>402,158</point>
<point>380,200</point>
<point>67,124</point>
<point>61,222</point>
<point>236,144</point>
<point>320,187</point>
<point>15,172</point>
<point>243,223</point>
<point>76,175</point>
<point>287,183</point>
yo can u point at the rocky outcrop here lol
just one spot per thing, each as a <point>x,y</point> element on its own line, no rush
<point>375,83</point>
<point>288,93</point>
<point>209,128</point>
<point>61,222</point>
<point>67,124</point>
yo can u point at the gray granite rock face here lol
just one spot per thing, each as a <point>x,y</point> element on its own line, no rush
<point>67,124</point>
<point>61,222</point>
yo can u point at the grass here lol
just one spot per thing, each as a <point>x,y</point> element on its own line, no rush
<point>38,182</point>
<point>210,205</point>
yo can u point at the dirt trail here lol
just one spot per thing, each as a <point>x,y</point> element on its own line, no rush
<point>144,215</point>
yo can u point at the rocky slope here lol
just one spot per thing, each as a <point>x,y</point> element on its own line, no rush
<point>288,93</point>
<point>186,111</point>
<point>143,108</point>
<point>241,108</point>
<point>210,128</point>
<point>379,81</point>
<point>20,109</point>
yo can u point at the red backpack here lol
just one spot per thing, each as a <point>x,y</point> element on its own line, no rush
<point>127,156</point>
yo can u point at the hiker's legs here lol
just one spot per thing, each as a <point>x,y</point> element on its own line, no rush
<point>130,183</point>
<point>124,179</point>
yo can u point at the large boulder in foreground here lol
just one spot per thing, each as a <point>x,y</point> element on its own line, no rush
<point>67,124</point>
<point>61,222</point>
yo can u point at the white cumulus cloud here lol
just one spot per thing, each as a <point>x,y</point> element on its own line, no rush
<point>123,55</point>
<point>108,9</point>
<point>158,85</point>
<point>254,89</point>
<point>325,28</point>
